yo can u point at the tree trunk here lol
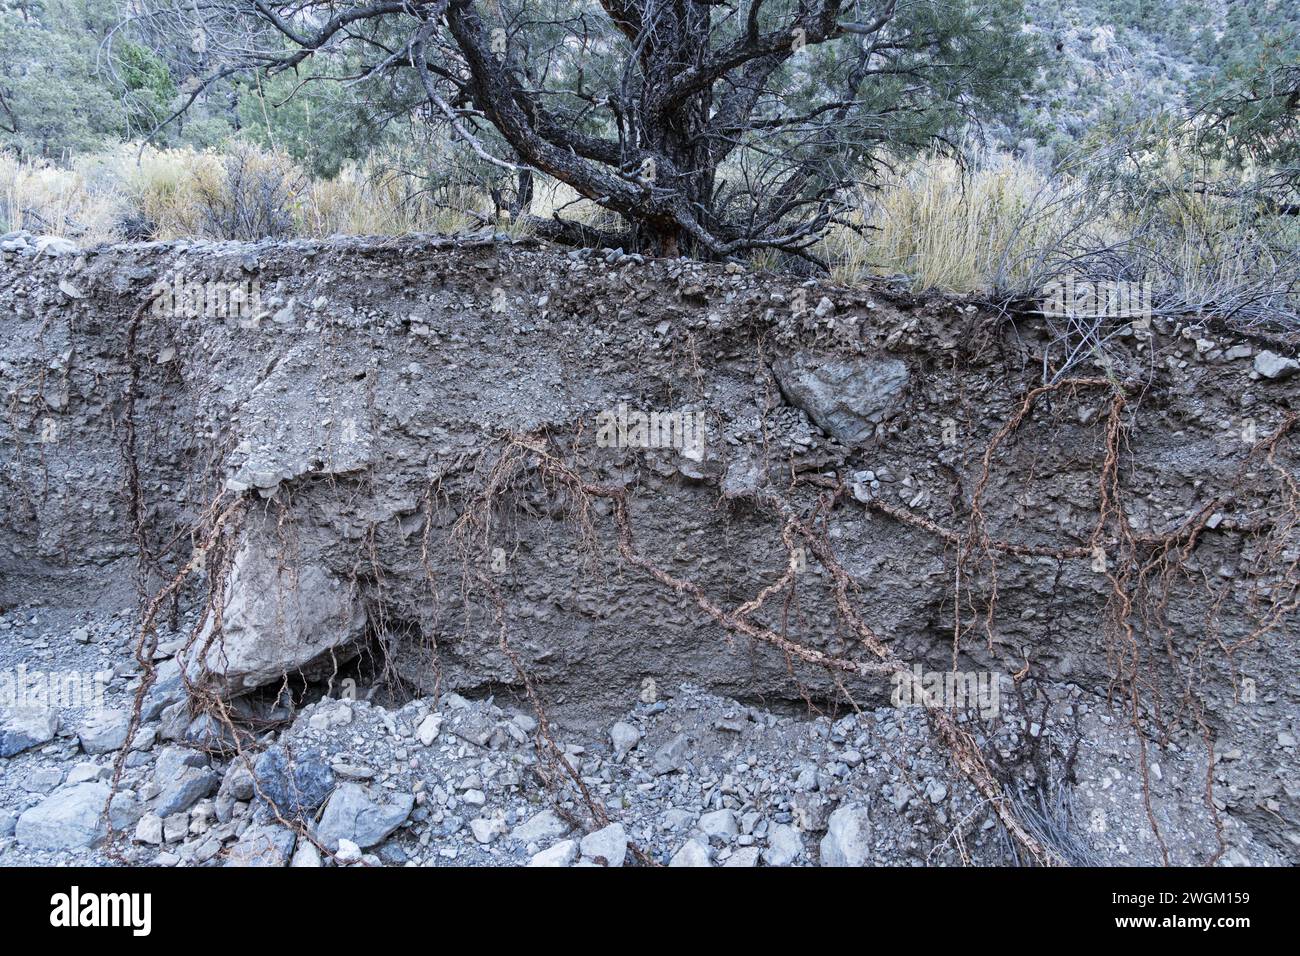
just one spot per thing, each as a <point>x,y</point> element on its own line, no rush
<point>679,134</point>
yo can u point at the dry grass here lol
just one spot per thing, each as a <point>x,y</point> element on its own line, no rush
<point>44,198</point>
<point>943,225</point>
<point>1212,240</point>
<point>551,197</point>
<point>998,226</point>
<point>242,192</point>
<point>378,198</point>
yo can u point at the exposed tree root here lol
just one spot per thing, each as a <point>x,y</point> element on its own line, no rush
<point>957,741</point>
<point>1144,572</point>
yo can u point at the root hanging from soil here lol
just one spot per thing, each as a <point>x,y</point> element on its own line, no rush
<point>1145,573</point>
<point>534,451</point>
<point>1141,571</point>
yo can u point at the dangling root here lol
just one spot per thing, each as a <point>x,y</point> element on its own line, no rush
<point>958,742</point>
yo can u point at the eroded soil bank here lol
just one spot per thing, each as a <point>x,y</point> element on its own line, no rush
<point>429,453</point>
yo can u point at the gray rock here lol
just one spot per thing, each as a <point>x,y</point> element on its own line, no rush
<point>174,720</point>
<point>692,853</point>
<point>847,397</point>
<point>182,790</point>
<point>811,811</point>
<point>88,772</point>
<point>745,856</point>
<point>270,629</point>
<point>348,852</point>
<point>562,854</point>
<point>173,760</point>
<point>27,726</point>
<point>306,855</point>
<point>55,246</point>
<point>848,837</point>
<point>73,817</point>
<point>607,845</point>
<point>719,825</point>
<point>784,844</point>
<point>208,733</point>
<point>149,830</point>
<point>104,731</point>
<point>429,729</point>
<point>392,854</point>
<point>237,783</point>
<point>202,850</point>
<point>263,845</point>
<point>354,813</point>
<point>541,827</point>
<point>42,780</point>
<point>672,755</point>
<point>624,737</point>
<point>165,691</point>
<point>176,827</point>
<point>1273,366</point>
<point>294,785</point>
<point>8,821</point>
<point>675,818</point>
<point>485,830</point>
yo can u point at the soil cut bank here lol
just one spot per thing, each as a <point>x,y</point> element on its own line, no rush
<point>490,468</point>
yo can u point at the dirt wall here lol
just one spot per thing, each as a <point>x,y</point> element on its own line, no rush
<point>443,441</point>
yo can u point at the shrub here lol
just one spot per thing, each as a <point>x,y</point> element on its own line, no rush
<point>942,223</point>
<point>41,197</point>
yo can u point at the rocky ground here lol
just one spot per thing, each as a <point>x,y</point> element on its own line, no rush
<point>683,778</point>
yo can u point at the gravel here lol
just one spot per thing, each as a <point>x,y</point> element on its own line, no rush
<point>682,778</point>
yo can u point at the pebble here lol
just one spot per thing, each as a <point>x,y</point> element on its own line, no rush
<point>672,755</point>
<point>1272,366</point>
<point>719,825</point>
<point>104,732</point>
<point>563,853</point>
<point>26,726</point>
<point>606,846</point>
<point>848,837</point>
<point>784,844</point>
<point>362,816</point>
<point>347,852</point>
<point>624,738</point>
<point>692,853</point>
<point>429,729</point>
<point>540,828</point>
<point>485,830</point>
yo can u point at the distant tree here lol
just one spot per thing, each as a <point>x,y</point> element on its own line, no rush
<point>1251,116</point>
<point>708,127</point>
<point>146,87</point>
<point>52,99</point>
<point>320,123</point>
